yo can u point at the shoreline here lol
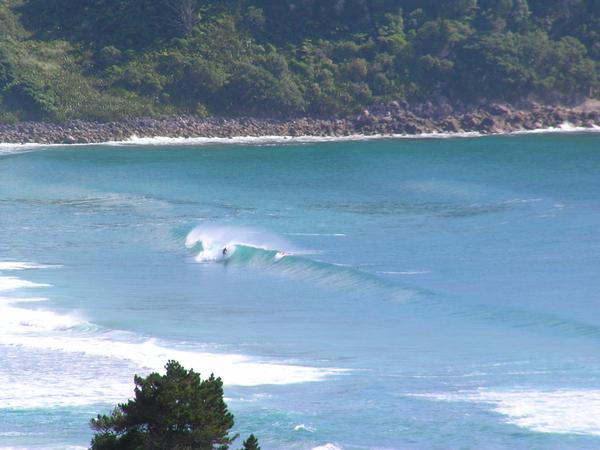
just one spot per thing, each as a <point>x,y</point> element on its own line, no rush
<point>392,122</point>
<point>132,141</point>
<point>165,141</point>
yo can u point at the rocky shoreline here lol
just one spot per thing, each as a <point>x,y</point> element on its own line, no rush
<point>394,118</point>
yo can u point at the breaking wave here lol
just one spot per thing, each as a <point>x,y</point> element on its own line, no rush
<point>265,251</point>
<point>328,446</point>
<point>557,411</point>
<point>42,351</point>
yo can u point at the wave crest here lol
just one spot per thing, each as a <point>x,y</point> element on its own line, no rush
<point>212,240</point>
<point>265,251</point>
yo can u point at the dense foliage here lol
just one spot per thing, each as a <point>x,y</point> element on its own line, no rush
<point>104,59</point>
<point>251,443</point>
<point>177,410</point>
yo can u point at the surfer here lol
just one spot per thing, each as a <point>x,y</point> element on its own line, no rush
<point>224,252</point>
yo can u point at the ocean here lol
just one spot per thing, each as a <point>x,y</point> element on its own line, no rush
<point>374,294</point>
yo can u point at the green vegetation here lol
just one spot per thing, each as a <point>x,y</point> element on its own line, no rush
<point>251,443</point>
<point>178,411</point>
<point>108,59</point>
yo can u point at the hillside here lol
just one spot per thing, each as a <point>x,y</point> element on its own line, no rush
<point>108,59</point>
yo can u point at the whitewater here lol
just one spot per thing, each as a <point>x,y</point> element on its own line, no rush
<point>383,293</point>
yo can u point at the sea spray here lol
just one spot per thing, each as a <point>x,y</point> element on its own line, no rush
<point>214,239</point>
<point>268,252</point>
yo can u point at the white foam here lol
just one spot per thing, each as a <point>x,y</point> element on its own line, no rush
<point>250,140</point>
<point>327,446</point>
<point>277,140</point>
<point>133,141</point>
<point>13,283</point>
<point>18,265</point>
<point>63,386</point>
<point>568,411</point>
<point>18,321</point>
<point>10,148</point>
<point>70,334</point>
<point>216,238</point>
<point>565,127</point>
<point>303,427</point>
<point>234,369</point>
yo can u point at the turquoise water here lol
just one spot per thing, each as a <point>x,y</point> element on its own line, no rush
<point>391,294</point>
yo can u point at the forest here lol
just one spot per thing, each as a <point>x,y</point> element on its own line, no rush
<point>110,59</point>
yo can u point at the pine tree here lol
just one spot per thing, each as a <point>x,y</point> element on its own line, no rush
<point>251,443</point>
<point>177,410</point>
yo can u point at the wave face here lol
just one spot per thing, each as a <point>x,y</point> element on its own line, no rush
<point>213,240</point>
<point>265,251</point>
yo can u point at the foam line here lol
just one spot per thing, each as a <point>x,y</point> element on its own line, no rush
<point>71,334</point>
<point>565,127</point>
<point>568,411</point>
<point>262,140</point>
<point>10,148</point>
<point>234,369</point>
<point>277,140</point>
<point>17,265</point>
<point>328,446</point>
<point>13,283</point>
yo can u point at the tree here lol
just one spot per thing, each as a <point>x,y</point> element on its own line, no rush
<point>174,411</point>
<point>251,443</point>
<point>112,59</point>
<point>181,16</point>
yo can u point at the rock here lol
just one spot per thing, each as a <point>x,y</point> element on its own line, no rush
<point>498,109</point>
<point>470,122</point>
<point>488,124</point>
<point>451,124</point>
<point>436,115</point>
